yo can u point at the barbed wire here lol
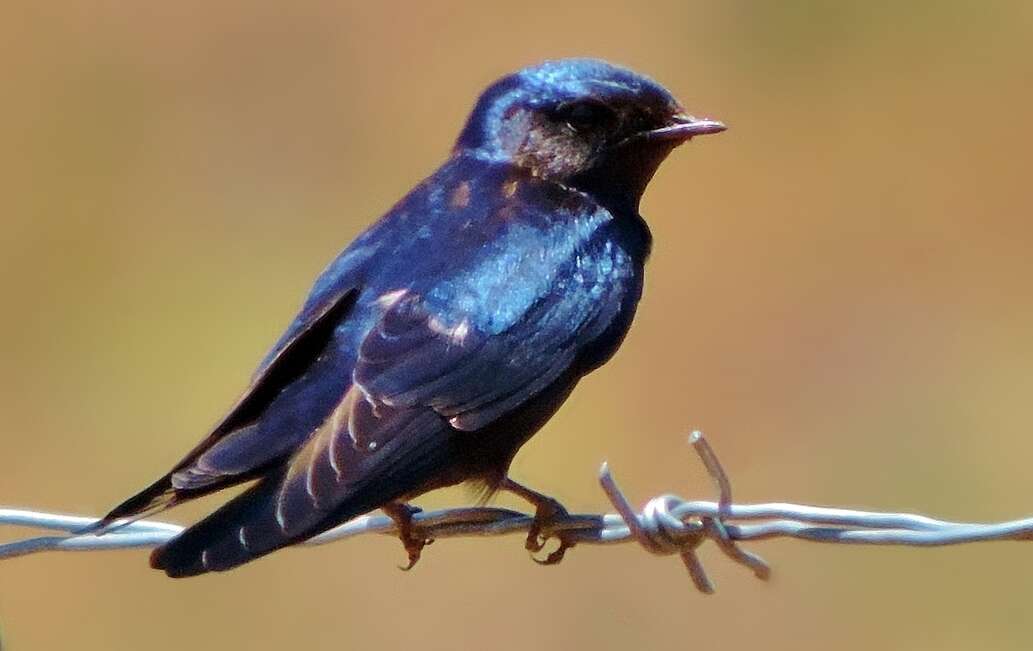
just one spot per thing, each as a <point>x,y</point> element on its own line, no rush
<point>667,525</point>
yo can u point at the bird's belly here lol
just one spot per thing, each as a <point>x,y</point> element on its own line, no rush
<point>482,457</point>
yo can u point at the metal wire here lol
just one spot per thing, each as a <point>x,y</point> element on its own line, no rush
<point>667,525</point>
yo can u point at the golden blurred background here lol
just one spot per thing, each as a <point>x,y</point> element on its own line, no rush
<point>840,295</point>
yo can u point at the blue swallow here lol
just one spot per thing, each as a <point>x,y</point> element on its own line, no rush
<point>437,343</point>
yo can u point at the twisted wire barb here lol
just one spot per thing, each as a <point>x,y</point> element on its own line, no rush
<point>667,525</point>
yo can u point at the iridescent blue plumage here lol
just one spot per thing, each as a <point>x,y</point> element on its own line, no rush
<point>445,335</point>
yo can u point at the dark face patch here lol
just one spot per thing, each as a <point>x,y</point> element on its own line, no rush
<point>580,123</point>
<point>552,149</point>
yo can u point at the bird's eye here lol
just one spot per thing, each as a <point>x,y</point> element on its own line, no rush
<point>585,115</point>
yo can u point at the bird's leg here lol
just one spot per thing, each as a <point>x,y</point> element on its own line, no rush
<point>546,511</point>
<point>414,543</point>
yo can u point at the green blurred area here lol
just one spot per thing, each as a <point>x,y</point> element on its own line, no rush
<point>839,295</point>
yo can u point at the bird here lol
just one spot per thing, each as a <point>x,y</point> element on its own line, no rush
<point>447,334</point>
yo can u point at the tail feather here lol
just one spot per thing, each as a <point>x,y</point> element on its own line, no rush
<point>235,459</point>
<point>165,494</point>
<point>155,498</point>
<point>253,524</point>
<point>242,529</point>
<point>238,449</point>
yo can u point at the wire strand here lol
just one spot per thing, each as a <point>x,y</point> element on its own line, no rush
<point>666,525</point>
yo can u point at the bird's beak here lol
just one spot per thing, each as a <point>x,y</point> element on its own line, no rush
<point>684,127</point>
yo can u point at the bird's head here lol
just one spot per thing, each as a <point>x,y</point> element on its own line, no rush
<point>582,122</point>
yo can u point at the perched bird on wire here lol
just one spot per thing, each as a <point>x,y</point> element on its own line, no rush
<point>450,331</point>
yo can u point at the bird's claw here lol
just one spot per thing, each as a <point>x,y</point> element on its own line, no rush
<point>407,533</point>
<point>546,514</point>
<point>414,548</point>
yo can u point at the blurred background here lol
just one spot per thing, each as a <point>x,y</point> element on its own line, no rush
<point>839,296</point>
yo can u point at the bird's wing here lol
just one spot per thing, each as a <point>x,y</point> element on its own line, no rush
<point>417,369</point>
<point>243,453</point>
<point>425,363</point>
<point>416,356</point>
<point>328,305</point>
<point>307,336</point>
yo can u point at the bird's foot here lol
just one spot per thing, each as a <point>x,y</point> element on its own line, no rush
<point>409,534</point>
<point>548,512</point>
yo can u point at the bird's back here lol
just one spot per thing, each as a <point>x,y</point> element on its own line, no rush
<point>473,306</point>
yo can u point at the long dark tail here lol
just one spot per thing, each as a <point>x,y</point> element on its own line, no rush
<point>246,528</point>
<point>256,522</point>
<point>152,500</point>
<point>242,529</point>
<point>163,494</point>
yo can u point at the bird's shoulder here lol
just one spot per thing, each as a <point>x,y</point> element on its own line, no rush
<point>477,228</point>
<point>483,243</point>
<point>499,306</point>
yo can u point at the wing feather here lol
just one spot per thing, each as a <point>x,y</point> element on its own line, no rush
<point>236,449</point>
